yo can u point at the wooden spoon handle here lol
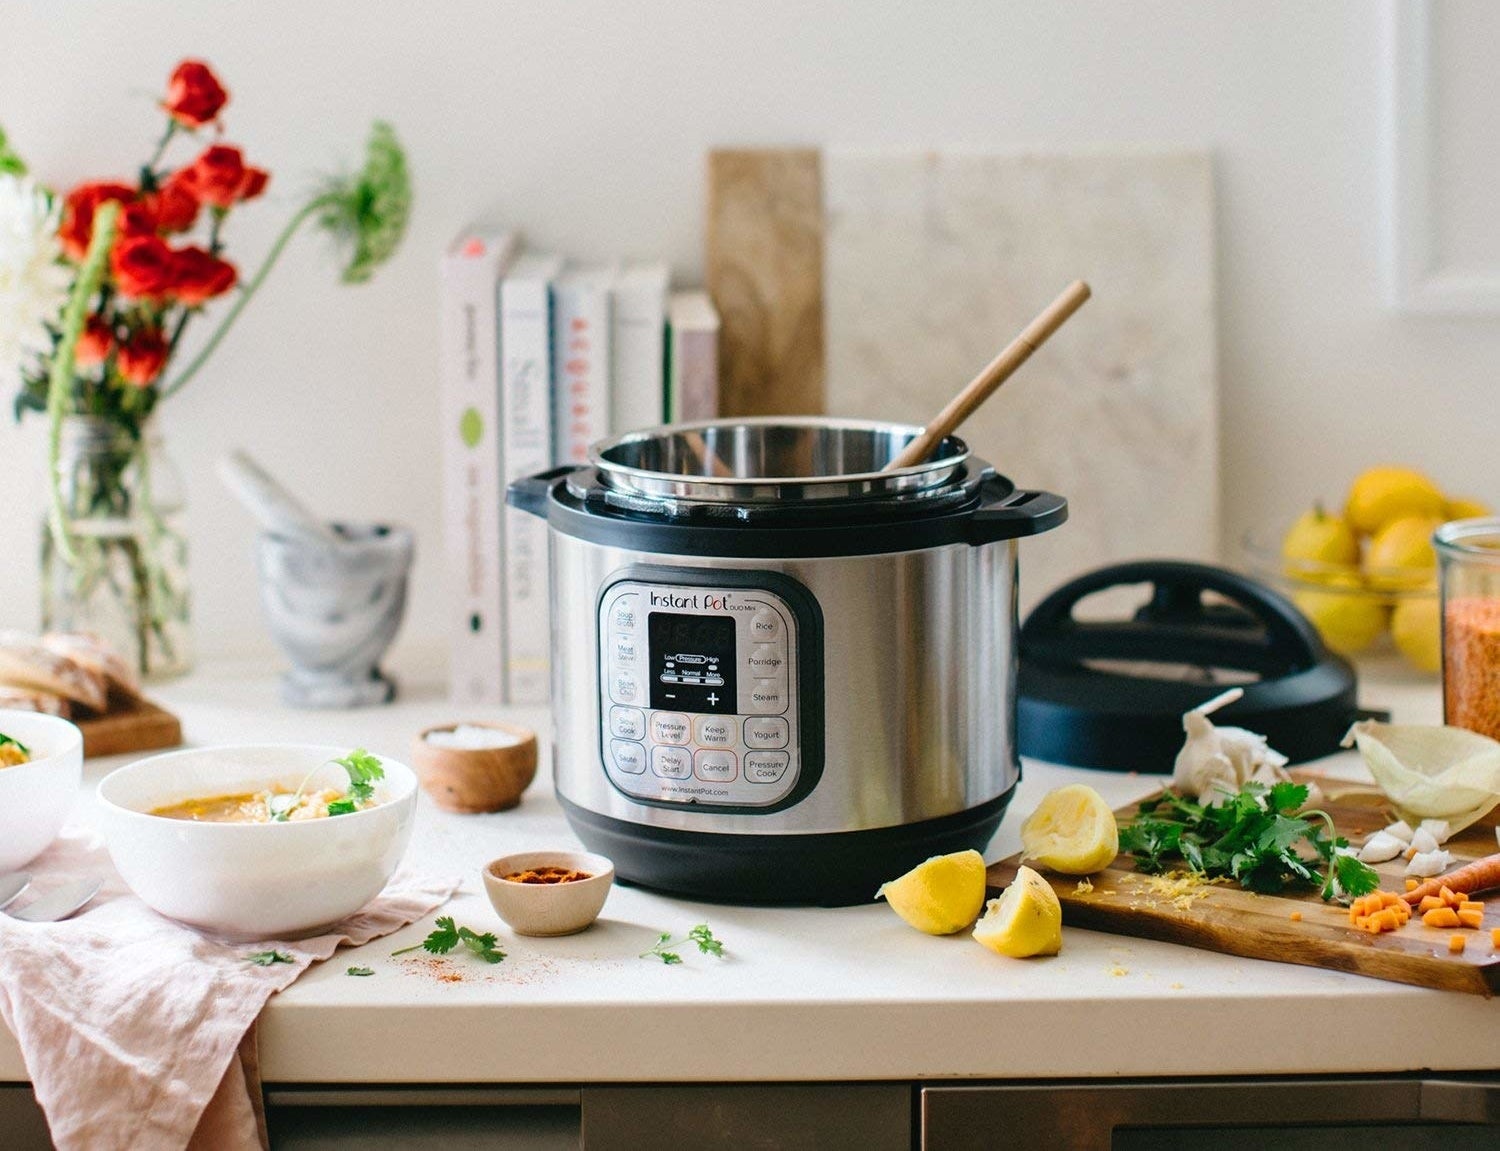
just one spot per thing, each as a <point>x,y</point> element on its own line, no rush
<point>995,373</point>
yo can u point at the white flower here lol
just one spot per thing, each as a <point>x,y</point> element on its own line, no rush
<point>34,282</point>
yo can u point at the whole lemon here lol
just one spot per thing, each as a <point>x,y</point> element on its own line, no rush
<point>1463,508</point>
<point>1347,616</point>
<point>1316,541</point>
<point>1416,630</point>
<point>1383,494</point>
<point>1401,555</point>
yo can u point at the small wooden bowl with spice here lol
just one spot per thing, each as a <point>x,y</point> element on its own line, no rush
<point>549,892</point>
<point>475,767</point>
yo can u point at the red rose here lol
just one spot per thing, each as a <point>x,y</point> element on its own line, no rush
<point>77,226</point>
<point>143,267</point>
<point>194,95</point>
<point>198,276</point>
<point>220,177</point>
<point>142,357</point>
<point>95,343</point>
<point>174,205</point>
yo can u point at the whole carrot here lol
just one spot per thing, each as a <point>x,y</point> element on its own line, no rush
<point>1481,875</point>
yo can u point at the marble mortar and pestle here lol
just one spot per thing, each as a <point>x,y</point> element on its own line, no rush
<point>333,593</point>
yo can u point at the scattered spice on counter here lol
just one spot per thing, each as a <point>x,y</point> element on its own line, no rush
<point>1471,664</point>
<point>547,875</point>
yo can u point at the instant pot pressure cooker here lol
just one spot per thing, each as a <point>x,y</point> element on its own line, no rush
<point>778,672</point>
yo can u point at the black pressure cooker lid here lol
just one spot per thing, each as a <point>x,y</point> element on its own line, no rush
<point>1110,693</point>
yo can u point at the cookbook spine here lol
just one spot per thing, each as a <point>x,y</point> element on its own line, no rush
<point>581,360</point>
<point>639,351</point>
<point>693,358</point>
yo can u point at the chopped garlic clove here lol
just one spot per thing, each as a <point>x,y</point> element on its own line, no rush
<point>1401,830</point>
<point>1380,847</point>
<point>1426,864</point>
<point>1423,840</point>
<point>1437,828</point>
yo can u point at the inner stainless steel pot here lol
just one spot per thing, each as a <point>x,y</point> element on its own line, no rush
<point>772,459</point>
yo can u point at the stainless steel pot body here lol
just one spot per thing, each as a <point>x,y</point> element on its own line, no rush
<point>918,670</point>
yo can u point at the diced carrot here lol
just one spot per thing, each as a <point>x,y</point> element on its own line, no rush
<point>1411,884</point>
<point>1495,937</point>
<point>1456,943</point>
<point>1472,905</point>
<point>1385,920</point>
<point>1296,917</point>
<point>1367,923</point>
<point>1430,902</point>
<point>1470,919</point>
<point>1445,893</point>
<point>1389,899</point>
<point>1441,917</point>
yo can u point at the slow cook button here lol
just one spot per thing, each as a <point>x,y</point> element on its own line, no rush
<point>765,625</point>
<point>627,723</point>
<point>767,659</point>
<point>715,731</point>
<point>625,686</point>
<point>715,766</point>
<point>625,614</point>
<point>670,727</point>
<point>671,762</point>
<point>766,766</point>
<point>769,731</point>
<point>768,696</point>
<point>628,757</point>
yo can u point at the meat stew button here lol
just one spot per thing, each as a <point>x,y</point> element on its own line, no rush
<point>715,766</point>
<point>671,762</point>
<point>766,731</point>
<point>766,766</point>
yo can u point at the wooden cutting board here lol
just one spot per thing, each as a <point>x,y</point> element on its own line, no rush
<point>1231,920</point>
<point>136,726</point>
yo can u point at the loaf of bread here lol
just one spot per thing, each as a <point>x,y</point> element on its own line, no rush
<point>92,653</point>
<point>30,699</point>
<point>26,663</point>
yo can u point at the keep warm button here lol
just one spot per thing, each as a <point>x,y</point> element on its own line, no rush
<point>766,766</point>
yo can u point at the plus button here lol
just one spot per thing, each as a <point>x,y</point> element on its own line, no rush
<point>713,697</point>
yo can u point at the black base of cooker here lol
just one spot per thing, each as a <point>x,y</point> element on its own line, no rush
<point>833,869</point>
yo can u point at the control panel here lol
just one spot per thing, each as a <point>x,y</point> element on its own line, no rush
<point>699,688</point>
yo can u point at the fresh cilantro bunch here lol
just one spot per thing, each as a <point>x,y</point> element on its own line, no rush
<point>363,770</point>
<point>1261,836</point>
<point>700,935</point>
<point>449,935</point>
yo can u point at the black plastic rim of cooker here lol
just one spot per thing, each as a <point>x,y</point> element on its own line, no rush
<point>986,507</point>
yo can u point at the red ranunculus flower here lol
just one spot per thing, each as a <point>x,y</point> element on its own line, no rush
<point>142,357</point>
<point>220,177</point>
<point>174,205</point>
<point>77,226</point>
<point>194,95</point>
<point>95,343</point>
<point>198,276</point>
<point>143,267</point>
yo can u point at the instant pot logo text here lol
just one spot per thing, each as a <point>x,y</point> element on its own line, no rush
<point>696,601</point>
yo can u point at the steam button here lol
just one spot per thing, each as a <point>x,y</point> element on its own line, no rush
<point>627,723</point>
<point>671,762</point>
<point>629,757</point>
<point>768,696</point>
<point>766,766</point>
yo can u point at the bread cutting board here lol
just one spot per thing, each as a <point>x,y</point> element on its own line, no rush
<point>138,725</point>
<point>1231,920</point>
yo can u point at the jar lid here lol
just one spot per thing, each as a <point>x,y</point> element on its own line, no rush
<point>1475,540</point>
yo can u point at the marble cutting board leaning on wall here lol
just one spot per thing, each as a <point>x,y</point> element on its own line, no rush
<point>932,261</point>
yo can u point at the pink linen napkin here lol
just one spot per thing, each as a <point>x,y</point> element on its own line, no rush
<point>137,1032</point>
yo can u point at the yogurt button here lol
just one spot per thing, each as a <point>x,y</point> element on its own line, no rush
<point>770,731</point>
<point>715,766</point>
<point>766,766</point>
<point>628,757</point>
<point>670,727</point>
<point>765,624</point>
<point>671,762</point>
<point>627,722</point>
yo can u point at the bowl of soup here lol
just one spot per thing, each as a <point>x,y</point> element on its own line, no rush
<point>41,768</point>
<point>266,841</point>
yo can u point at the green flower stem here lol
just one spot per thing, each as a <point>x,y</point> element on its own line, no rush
<point>311,209</point>
<point>60,378</point>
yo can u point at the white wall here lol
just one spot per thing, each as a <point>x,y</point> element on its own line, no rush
<point>586,123</point>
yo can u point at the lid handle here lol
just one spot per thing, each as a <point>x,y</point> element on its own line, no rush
<point>529,493</point>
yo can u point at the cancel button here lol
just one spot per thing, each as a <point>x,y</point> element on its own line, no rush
<point>766,766</point>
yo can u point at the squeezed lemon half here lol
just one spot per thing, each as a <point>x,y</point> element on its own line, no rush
<point>941,896</point>
<point>1026,920</point>
<point>1072,832</point>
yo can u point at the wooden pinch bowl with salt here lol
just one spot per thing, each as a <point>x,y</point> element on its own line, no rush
<point>475,767</point>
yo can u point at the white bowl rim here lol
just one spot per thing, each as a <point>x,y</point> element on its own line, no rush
<point>66,727</point>
<point>405,779</point>
<point>599,867</point>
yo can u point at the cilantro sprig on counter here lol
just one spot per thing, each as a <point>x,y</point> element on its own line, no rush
<point>1260,836</point>
<point>700,935</point>
<point>449,935</point>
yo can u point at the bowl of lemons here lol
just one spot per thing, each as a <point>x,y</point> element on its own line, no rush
<point>1365,573</point>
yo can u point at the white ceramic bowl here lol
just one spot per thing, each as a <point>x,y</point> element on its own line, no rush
<point>253,880</point>
<point>35,797</point>
<point>549,908</point>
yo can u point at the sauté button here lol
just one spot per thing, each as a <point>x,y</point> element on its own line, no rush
<point>715,766</point>
<point>671,762</point>
<point>627,722</point>
<point>768,696</point>
<point>766,766</point>
<point>767,659</point>
<point>625,614</point>
<point>715,731</point>
<point>629,757</point>
<point>670,727</point>
<point>768,731</point>
<point>764,625</point>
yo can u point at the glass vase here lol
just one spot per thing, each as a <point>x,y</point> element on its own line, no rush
<point>121,571</point>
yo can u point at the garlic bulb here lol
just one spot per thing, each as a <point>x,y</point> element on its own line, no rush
<point>1222,758</point>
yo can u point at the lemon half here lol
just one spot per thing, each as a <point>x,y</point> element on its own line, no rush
<point>1026,920</point>
<point>1072,832</point>
<point>941,896</point>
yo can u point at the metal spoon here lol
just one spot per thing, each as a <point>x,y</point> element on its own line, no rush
<point>12,885</point>
<point>60,902</point>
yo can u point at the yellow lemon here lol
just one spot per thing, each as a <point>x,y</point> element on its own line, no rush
<point>1316,541</point>
<point>1072,832</point>
<point>1416,630</point>
<point>1401,555</point>
<point>940,896</point>
<point>1463,508</point>
<point>1347,616</point>
<point>1026,920</point>
<point>1383,494</point>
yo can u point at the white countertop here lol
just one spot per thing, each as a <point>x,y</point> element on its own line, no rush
<point>806,993</point>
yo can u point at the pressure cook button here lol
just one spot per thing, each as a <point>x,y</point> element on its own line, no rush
<point>715,766</point>
<point>715,731</point>
<point>768,696</point>
<point>628,757</point>
<point>769,731</point>
<point>671,762</point>
<point>625,686</point>
<point>625,614</point>
<point>767,659</point>
<point>766,766</point>
<point>627,723</point>
<point>765,624</point>
<point>670,727</point>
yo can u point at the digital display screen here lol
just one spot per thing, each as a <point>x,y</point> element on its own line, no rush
<point>691,662</point>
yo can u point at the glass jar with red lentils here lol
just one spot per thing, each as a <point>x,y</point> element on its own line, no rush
<point>1469,559</point>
